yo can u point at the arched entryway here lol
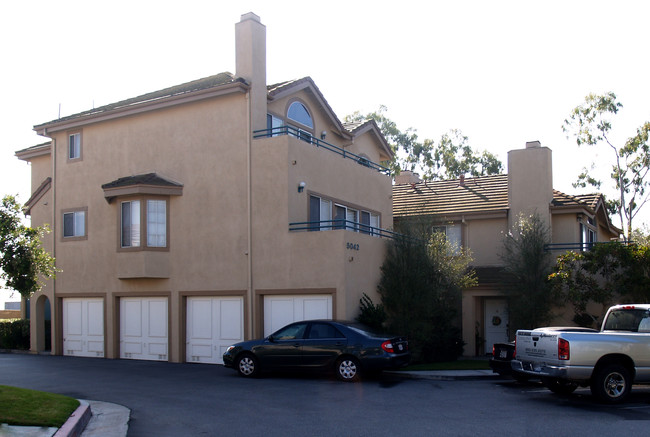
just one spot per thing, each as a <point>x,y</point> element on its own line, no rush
<point>42,321</point>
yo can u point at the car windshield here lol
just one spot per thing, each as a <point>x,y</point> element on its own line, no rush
<point>634,320</point>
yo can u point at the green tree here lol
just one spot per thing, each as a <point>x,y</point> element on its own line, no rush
<point>420,287</point>
<point>607,273</point>
<point>590,124</point>
<point>527,266</point>
<point>450,158</point>
<point>23,262</point>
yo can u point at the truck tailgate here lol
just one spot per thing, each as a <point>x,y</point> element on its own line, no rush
<point>537,346</point>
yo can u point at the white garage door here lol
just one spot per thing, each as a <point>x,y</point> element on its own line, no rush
<point>143,328</point>
<point>282,310</point>
<point>213,324</point>
<point>83,327</point>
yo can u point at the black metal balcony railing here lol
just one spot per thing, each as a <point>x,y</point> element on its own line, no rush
<point>330,225</point>
<point>580,247</point>
<point>309,138</point>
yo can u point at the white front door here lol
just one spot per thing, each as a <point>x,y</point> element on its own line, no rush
<point>496,323</point>
<point>282,310</point>
<point>213,324</point>
<point>83,327</point>
<point>143,328</point>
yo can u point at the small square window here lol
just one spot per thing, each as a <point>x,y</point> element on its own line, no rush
<point>74,224</point>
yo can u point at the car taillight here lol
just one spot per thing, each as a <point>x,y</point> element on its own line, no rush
<point>388,347</point>
<point>493,350</point>
<point>563,352</point>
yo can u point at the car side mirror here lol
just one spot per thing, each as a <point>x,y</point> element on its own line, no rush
<point>270,338</point>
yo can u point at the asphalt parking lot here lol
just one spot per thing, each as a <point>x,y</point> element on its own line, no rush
<point>168,399</point>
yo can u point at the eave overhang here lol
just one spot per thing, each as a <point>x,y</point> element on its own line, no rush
<point>46,129</point>
<point>149,184</point>
<point>34,151</point>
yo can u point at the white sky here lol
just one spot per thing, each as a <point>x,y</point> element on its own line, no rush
<point>504,72</point>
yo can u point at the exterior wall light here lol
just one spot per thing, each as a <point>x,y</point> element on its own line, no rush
<point>301,187</point>
<point>323,135</point>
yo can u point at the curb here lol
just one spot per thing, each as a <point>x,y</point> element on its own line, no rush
<point>469,375</point>
<point>76,423</point>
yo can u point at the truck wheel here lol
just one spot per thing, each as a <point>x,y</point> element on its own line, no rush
<point>611,383</point>
<point>559,386</point>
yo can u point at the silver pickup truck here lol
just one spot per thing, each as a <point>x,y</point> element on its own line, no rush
<point>609,361</point>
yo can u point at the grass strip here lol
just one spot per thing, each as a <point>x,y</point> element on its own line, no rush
<point>19,406</point>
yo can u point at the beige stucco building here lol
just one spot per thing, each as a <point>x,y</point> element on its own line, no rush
<point>206,213</point>
<point>476,213</point>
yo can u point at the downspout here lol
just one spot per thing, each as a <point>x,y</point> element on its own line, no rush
<point>249,187</point>
<point>54,331</point>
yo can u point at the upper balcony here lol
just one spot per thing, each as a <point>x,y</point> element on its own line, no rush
<point>340,224</point>
<point>316,142</point>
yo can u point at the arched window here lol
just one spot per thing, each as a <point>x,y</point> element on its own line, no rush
<point>298,112</point>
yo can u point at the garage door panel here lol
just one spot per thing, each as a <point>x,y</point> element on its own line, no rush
<point>96,346</point>
<point>213,324</point>
<point>316,309</point>
<point>202,318</point>
<point>144,328</point>
<point>231,325</point>
<point>157,323</point>
<point>133,318</point>
<point>83,327</point>
<point>73,346</point>
<point>201,350</point>
<point>279,311</point>
<point>96,318</point>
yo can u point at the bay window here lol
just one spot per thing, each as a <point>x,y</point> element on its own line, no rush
<point>153,226</point>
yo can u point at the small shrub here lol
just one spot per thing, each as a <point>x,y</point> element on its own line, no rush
<point>371,315</point>
<point>14,335</point>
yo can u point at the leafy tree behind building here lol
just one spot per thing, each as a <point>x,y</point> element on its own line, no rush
<point>449,158</point>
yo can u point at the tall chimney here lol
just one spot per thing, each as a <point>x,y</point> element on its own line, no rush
<point>530,182</point>
<point>250,47</point>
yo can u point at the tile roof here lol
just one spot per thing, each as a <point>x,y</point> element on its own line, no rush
<point>484,195</point>
<point>144,179</point>
<point>205,83</point>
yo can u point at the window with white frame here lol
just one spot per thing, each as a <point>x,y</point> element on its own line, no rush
<point>587,234</point>
<point>453,235</point>
<point>74,224</point>
<point>320,214</point>
<point>325,215</point>
<point>130,224</point>
<point>273,125</point>
<point>156,223</point>
<point>298,112</point>
<point>369,223</point>
<point>74,146</point>
<point>153,226</point>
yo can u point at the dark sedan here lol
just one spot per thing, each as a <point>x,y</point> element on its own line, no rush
<point>347,348</point>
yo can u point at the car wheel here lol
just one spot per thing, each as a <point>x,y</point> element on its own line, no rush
<point>611,383</point>
<point>247,365</point>
<point>347,369</point>
<point>559,386</point>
